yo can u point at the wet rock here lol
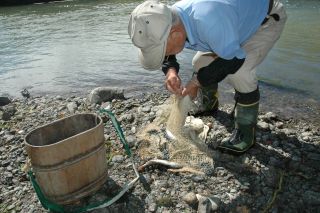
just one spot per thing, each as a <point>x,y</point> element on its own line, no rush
<point>4,101</point>
<point>7,112</point>
<point>104,94</point>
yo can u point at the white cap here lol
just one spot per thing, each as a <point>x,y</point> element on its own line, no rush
<point>149,28</point>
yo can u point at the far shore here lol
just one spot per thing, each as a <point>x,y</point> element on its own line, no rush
<point>22,2</point>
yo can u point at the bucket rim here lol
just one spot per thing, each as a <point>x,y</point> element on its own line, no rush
<point>56,121</point>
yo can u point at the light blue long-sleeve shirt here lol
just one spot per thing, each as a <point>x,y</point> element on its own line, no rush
<point>221,26</point>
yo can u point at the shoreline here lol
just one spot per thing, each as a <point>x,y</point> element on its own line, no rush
<point>283,101</point>
<point>286,148</point>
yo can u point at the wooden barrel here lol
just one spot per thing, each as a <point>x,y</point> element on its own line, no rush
<point>68,157</point>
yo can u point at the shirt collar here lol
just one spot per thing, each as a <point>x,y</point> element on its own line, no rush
<point>187,26</point>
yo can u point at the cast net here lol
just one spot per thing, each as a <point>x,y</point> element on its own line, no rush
<point>175,136</point>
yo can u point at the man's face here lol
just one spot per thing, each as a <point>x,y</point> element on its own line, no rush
<point>175,42</point>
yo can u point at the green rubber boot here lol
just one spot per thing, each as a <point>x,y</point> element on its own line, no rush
<point>244,135</point>
<point>207,101</point>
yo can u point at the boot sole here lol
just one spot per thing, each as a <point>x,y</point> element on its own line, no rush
<point>234,151</point>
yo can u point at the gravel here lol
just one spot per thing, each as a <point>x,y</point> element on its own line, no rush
<point>279,174</point>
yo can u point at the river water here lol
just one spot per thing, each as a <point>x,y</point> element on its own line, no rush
<point>75,46</point>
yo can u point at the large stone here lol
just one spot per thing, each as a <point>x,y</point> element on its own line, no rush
<point>8,112</point>
<point>104,94</point>
<point>4,101</point>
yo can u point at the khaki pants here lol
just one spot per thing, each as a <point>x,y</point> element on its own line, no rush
<point>257,48</point>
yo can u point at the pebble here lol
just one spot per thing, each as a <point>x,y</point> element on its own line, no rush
<point>233,191</point>
<point>117,158</point>
<point>152,207</point>
<point>263,125</point>
<point>72,107</point>
<point>279,125</point>
<point>270,115</point>
<point>190,198</point>
<point>12,206</point>
<point>289,131</point>
<point>198,178</point>
<point>21,132</point>
<point>131,140</point>
<point>287,145</point>
<point>146,109</point>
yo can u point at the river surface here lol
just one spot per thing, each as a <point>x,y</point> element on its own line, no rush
<point>75,46</point>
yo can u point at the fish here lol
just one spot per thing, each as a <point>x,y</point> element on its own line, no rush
<point>169,164</point>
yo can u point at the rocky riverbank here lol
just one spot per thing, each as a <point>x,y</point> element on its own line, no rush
<point>279,174</point>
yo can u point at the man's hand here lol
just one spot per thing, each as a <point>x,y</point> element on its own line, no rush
<point>191,88</point>
<point>173,82</point>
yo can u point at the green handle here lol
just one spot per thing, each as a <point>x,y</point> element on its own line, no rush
<point>118,130</point>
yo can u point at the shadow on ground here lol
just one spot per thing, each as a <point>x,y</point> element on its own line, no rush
<point>279,174</point>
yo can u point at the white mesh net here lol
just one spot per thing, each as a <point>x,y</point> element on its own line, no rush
<point>175,136</point>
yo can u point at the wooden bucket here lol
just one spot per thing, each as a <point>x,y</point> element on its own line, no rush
<point>68,157</point>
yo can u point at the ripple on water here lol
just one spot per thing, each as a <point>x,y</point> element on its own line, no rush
<point>85,44</point>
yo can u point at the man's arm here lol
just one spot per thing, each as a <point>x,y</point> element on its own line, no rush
<point>170,62</point>
<point>170,68</point>
<point>218,70</point>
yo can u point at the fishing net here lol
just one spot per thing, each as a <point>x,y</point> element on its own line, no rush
<point>175,136</point>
